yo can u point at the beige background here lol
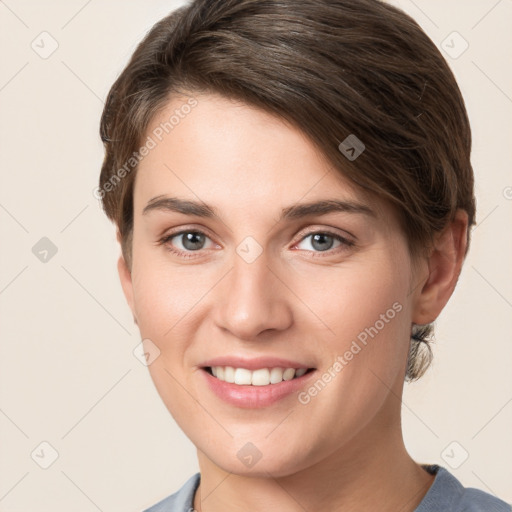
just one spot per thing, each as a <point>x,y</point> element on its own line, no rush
<point>67,372</point>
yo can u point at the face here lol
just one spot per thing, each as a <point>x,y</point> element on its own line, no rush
<point>251,255</point>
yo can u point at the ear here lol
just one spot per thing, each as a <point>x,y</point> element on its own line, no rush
<point>125,276</point>
<point>443,267</point>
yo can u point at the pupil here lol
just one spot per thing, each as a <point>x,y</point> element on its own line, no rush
<point>319,241</point>
<point>192,240</point>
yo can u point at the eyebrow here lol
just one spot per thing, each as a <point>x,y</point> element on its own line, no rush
<point>297,211</point>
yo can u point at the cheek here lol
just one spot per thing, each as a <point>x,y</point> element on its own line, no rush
<point>165,294</point>
<point>363,316</point>
<point>172,306</point>
<point>167,303</point>
<point>355,297</point>
<point>364,347</point>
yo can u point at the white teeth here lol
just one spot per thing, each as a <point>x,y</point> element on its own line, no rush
<point>259,377</point>
<point>276,375</point>
<point>242,376</point>
<point>289,373</point>
<point>229,374</point>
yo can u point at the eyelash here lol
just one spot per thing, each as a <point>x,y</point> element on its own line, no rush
<point>345,243</point>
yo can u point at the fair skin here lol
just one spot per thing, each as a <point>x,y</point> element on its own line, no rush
<point>343,449</point>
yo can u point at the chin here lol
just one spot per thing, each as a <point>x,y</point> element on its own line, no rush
<point>259,459</point>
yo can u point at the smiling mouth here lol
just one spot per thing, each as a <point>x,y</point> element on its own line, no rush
<point>258,377</point>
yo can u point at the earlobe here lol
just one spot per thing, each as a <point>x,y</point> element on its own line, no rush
<point>444,266</point>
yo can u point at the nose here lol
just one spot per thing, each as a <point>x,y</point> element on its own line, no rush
<point>252,300</point>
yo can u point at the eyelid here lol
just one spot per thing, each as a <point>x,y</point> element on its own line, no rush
<point>187,229</point>
<point>327,230</point>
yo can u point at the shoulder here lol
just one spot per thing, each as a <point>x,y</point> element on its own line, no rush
<point>475,500</point>
<point>447,493</point>
<point>181,501</point>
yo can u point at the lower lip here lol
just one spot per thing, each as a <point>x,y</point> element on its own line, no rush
<point>254,397</point>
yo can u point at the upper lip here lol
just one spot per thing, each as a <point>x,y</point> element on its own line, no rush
<point>254,363</point>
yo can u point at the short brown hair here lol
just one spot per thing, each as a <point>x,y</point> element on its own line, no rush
<point>333,68</point>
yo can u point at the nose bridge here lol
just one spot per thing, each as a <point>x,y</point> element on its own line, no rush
<point>253,299</point>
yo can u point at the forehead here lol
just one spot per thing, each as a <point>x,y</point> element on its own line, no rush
<point>213,149</point>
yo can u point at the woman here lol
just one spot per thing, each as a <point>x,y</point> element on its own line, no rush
<point>293,193</point>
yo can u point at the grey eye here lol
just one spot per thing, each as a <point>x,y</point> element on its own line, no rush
<point>192,241</point>
<point>322,241</point>
<point>319,242</point>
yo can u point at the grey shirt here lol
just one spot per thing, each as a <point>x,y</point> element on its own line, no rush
<point>446,494</point>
